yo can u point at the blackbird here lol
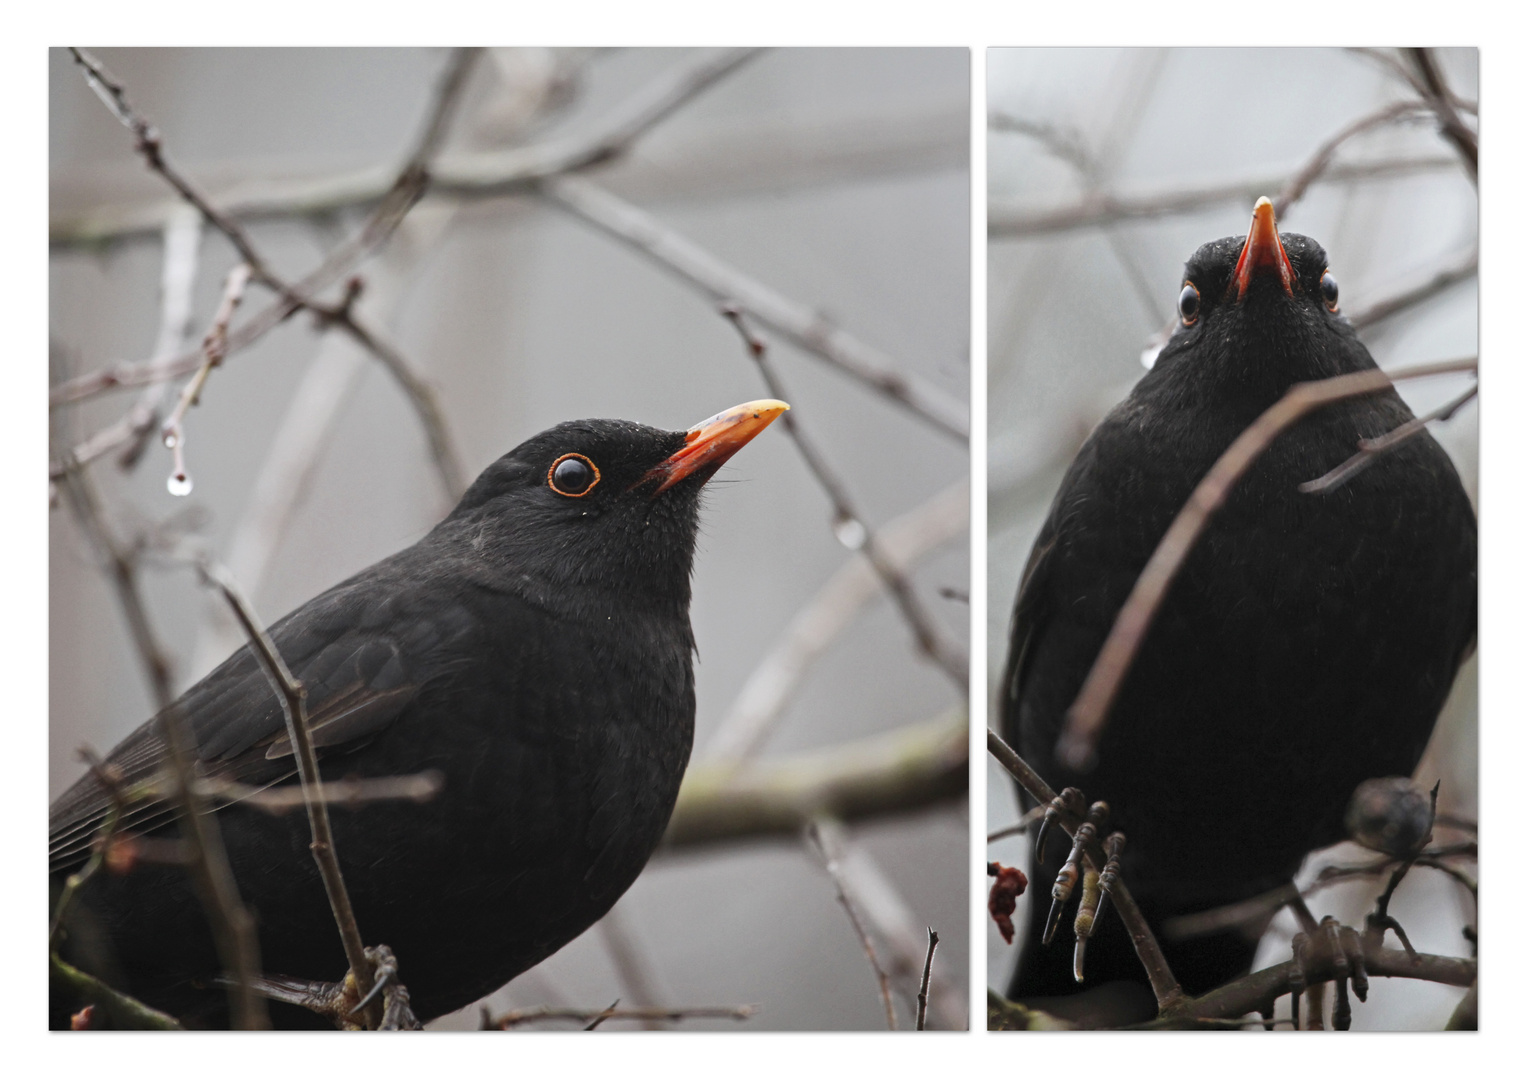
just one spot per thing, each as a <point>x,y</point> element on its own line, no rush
<point>534,649</point>
<point>1306,645</point>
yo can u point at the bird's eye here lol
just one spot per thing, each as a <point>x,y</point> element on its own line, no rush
<point>1187,304</point>
<point>1328,290</point>
<point>572,475</point>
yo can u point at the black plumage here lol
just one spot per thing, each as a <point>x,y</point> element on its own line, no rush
<point>534,648</point>
<point>1306,645</point>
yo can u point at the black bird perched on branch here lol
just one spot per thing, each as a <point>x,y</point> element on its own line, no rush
<point>1306,645</point>
<point>534,649</point>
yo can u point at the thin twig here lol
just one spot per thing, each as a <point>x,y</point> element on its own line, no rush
<point>406,191</point>
<point>1441,99</point>
<point>1370,450</point>
<point>348,792</point>
<point>1163,983</point>
<point>822,832</point>
<point>207,862</point>
<point>214,348</point>
<point>124,1011</point>
<point>1085,719</point>
<point>850,527</point>
<point>1105,209</point>
<point>460,176</point>
<point>1325,153</point>
<point>518,1017</point>
<point>922,990</point>
<point>1441,280</point>
<point>723,283</point>
<point>293,696</point>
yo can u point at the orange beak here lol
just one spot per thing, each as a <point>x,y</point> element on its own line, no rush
<point>709,443</point>
<point>1263,251</point>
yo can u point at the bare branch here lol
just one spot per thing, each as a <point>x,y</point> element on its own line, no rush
<point>1087,715</point>
<point>1099,210</point>
<point>724,284</point>
<point>124,1011</point>
<point>1441,100</point>
<point>207,862</point>
<point>1370,450</point>
<point>851,529</point>
<point>214,348</point>
<point>1390,306</point>
<point>466,176</point>
<point>294,706</point>
<point>901,771</point>
<point>1163,983</point>
<point>349,792</point>
<point>922,990</point>
<point>826,835</point>
<point>406,190</point>
<point>1325,153</point>
<point>520,1017</point>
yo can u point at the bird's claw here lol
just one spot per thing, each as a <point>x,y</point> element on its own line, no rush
<point>1340,946</point>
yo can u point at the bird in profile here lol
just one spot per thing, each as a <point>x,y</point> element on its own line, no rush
<point>534,650</point>
<point>1306,645</point>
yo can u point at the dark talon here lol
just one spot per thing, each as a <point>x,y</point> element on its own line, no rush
<point>384,976</point>
<point>1052,921</point>
<point>1352,947</point>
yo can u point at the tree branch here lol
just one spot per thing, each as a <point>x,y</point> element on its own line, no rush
<point>293,697</point>
<point>901,771</point>
<point>1163,983</point>
<point>723,284</point>
<point>851,529</point>
<point>1088,714</point>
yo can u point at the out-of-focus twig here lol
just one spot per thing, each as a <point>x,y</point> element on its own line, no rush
<point>901,771</point>
<point>1389,306</point>
<point>1325,153</point>
<point>726,284</point>
<point>850,527</point>
<point>1085,719</point>
<point>768,689</point>
<point>1441,100</point>
<point>460,176</point>
<point>1099,210</point>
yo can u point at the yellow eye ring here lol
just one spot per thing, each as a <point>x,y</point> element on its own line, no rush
<point>578,476</point>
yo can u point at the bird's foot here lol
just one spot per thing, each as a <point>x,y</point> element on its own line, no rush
<point>341,1002</point>
<point>1337,948</point>
<point>1078,870</point>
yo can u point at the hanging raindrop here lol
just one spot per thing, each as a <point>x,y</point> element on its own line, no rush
<point>179,483</point>
<point>850,532</point>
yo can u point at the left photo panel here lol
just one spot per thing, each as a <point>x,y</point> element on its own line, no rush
<point>508,538</point>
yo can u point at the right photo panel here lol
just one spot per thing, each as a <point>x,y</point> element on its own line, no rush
<point>1232,497</point>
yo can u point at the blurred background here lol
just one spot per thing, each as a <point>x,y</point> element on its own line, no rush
<point>1107,168</point>
<point>591,211</point>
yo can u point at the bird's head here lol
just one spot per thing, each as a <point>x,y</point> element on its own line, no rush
<point>1259,312</point>
<point>602,503</point>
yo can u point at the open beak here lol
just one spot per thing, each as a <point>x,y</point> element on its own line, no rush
<point>1263,251</point>
<point>709,443</point>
